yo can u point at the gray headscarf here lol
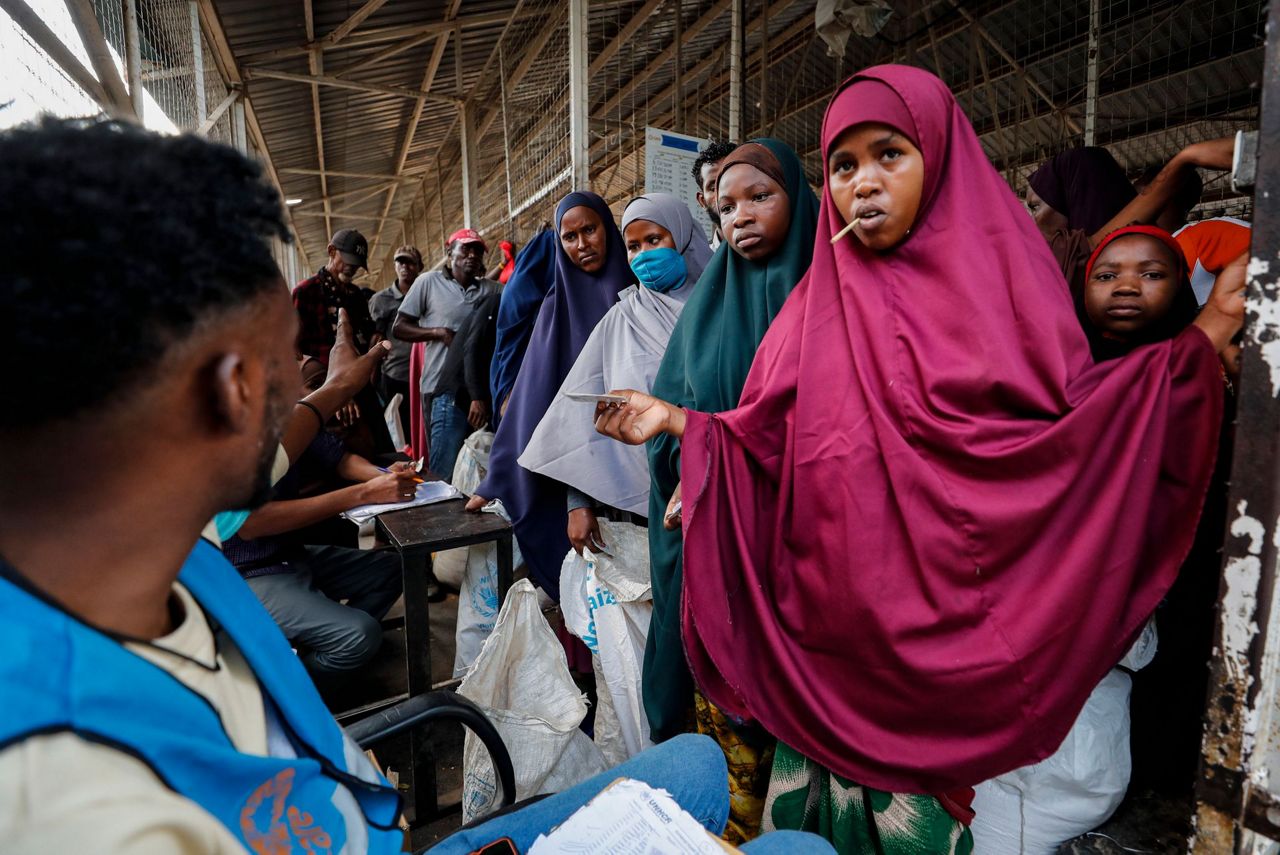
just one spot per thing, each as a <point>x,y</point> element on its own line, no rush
<point>623,352</point>
<point>674,216</point>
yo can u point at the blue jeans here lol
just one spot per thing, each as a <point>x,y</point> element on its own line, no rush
<point>448,430</point>
<point>690,767</point>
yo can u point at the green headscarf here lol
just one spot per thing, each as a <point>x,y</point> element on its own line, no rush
<point>704,368</point>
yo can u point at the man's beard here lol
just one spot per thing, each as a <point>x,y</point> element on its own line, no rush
<point>715,221</point>
<point>272,431</point>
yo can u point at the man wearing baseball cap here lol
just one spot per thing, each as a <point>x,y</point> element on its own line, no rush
<point>318,299</point>
<point>384,306</point>
<point>436,307</point>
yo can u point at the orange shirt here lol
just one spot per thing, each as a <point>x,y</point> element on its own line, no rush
<point>1210,245</point>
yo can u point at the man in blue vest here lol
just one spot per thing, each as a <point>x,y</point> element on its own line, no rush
<point>150,704</point>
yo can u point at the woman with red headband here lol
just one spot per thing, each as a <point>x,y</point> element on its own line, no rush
<point>933,524</point>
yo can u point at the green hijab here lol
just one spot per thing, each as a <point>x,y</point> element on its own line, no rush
<point>705,368</point>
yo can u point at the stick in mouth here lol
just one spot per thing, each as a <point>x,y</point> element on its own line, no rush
<point>844,231</point>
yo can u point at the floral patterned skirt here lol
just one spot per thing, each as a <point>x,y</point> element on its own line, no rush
<point>857,820</point>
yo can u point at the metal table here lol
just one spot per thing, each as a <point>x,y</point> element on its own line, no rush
<point>416,533</point>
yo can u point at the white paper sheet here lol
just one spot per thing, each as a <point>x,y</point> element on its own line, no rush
<point>428,493</point>
<point>629,818</point>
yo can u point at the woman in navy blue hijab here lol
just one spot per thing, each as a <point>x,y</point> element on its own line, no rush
<point>530,282</point>
<point>590,270</point>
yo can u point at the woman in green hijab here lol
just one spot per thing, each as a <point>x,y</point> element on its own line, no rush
<point>768,215</point>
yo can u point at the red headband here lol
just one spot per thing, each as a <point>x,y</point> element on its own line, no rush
<point>1150,231</point>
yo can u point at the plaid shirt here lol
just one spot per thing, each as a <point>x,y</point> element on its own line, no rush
<point>317,301</point>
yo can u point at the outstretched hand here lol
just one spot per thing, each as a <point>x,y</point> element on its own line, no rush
<point>640,419</point>
<point>1223,313</point>
<point>476,503</point>
<point>348,370</point>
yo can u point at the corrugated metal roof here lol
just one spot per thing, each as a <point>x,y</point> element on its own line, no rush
<point>1170,70</point>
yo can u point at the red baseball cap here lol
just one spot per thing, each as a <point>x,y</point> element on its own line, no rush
<point>466,236</point>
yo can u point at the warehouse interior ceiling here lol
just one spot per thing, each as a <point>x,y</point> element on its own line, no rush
<point>360,107</point>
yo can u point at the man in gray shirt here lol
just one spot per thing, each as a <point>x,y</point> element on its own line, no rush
<point>437,305</point>
<point>384,306</point>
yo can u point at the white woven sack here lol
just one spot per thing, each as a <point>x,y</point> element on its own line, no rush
<point>521,680</point>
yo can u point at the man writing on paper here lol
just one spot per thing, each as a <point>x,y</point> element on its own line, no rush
<point>302,586</point>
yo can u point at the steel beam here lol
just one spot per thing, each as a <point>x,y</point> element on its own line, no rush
<point>531,54</point>
<point>239,132</point>
<point>638,19</point>
<point>197,62</point>
<point>357,18</point>
<point>579,162</point>
<point>387,53</point>
<point>336,214</point>
<point>212,118</point>
<point>638,80</point>
<point>229,70</point>
<point>1017,66</point>
<point>165,73</point>
<point>690,33</point>
<point>735,69</point>
<point>777,47</point>
<point>338,173</point>
<point>380,35</point>
<point>314,59</point>
<point>679,81</point>
<point>466,143</point>
<point>315,78</point>
<point>133,56</point>
<point>362,194</point>
<point>428,80</point>
<point>104,67</point>
<point>1091,83</point>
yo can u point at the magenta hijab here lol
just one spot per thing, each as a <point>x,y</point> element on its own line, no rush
<point>932,525</point>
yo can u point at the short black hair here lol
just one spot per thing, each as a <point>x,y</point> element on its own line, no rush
<point>119,242</point>
<point>1188,192</point>
<point>716,151</point>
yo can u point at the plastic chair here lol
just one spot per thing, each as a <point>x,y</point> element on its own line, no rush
<point>435,706</point>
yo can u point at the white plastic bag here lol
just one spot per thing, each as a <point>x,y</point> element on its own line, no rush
<point>472,464</point>
<point>470,469</point>
<point>473,570</point>
<point>478,596</point>
<point>521,680</point>
<point>607,601</point>
<point>1035,809</point>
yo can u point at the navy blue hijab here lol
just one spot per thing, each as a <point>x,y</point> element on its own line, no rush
<point>528,286</point>
<point>577,302</point>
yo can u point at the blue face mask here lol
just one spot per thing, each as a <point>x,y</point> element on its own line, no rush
<point>662,269</point>
<point>228,523</point>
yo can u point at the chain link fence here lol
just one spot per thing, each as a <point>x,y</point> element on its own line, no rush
<point>181,81</point>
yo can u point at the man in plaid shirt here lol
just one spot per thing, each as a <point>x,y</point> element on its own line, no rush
<point>318,299</point>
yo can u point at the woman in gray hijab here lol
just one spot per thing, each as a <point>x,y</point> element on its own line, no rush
<point>667,250</point>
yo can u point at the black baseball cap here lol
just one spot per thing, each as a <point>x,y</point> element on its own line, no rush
<point>352,246</point>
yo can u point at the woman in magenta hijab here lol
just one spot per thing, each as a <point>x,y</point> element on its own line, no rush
<point>932,524</point>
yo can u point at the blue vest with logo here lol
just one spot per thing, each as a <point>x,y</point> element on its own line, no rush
<point>59,674</point>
